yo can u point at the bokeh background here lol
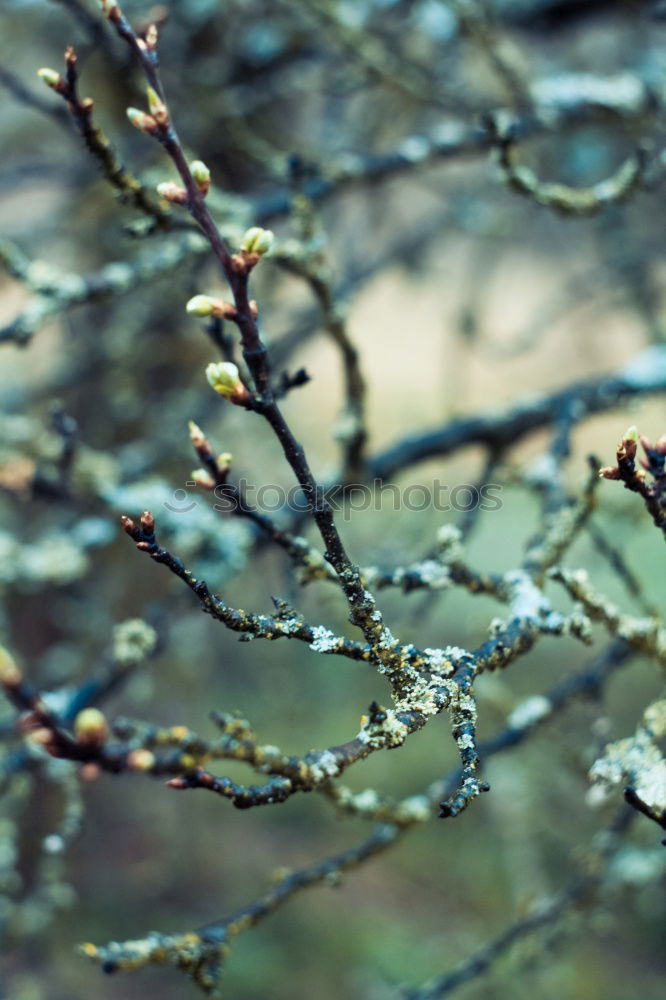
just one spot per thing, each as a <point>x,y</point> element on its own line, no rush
<point>461,297</point>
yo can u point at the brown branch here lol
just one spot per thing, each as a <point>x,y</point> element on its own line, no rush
<point>288,625</point>
<point>129,188</point>
<point>363,611</point>
<point>211,943</point>
<point>201,953</point>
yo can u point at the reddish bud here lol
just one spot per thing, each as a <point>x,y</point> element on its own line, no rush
<point>42,736</point>
<point>148,522</point>
<point>29,721</point>
<point>241,262</point>
<point>177,783</point>
<point>142,121</point>
<point>90,772</point>
<point>172,192</point>
<point>199,440</point>
<point>151,36</point>
<point>196,435</point>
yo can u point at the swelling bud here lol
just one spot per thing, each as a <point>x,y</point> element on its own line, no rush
<point>224,378</point>
<point>50,78</point>
<point>142,121</point>
<point>257,240</point>
<point>206,305</point>
<point>201,175</point>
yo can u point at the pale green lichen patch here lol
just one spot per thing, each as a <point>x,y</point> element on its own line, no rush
<point>638,760</point>
<point>323,641</point>
<point>133,641</point>
<point>529,712</point>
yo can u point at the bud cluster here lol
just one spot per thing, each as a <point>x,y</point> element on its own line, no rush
<point>216,469</point>
<point>654,461</point>
<point>256,243</point>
